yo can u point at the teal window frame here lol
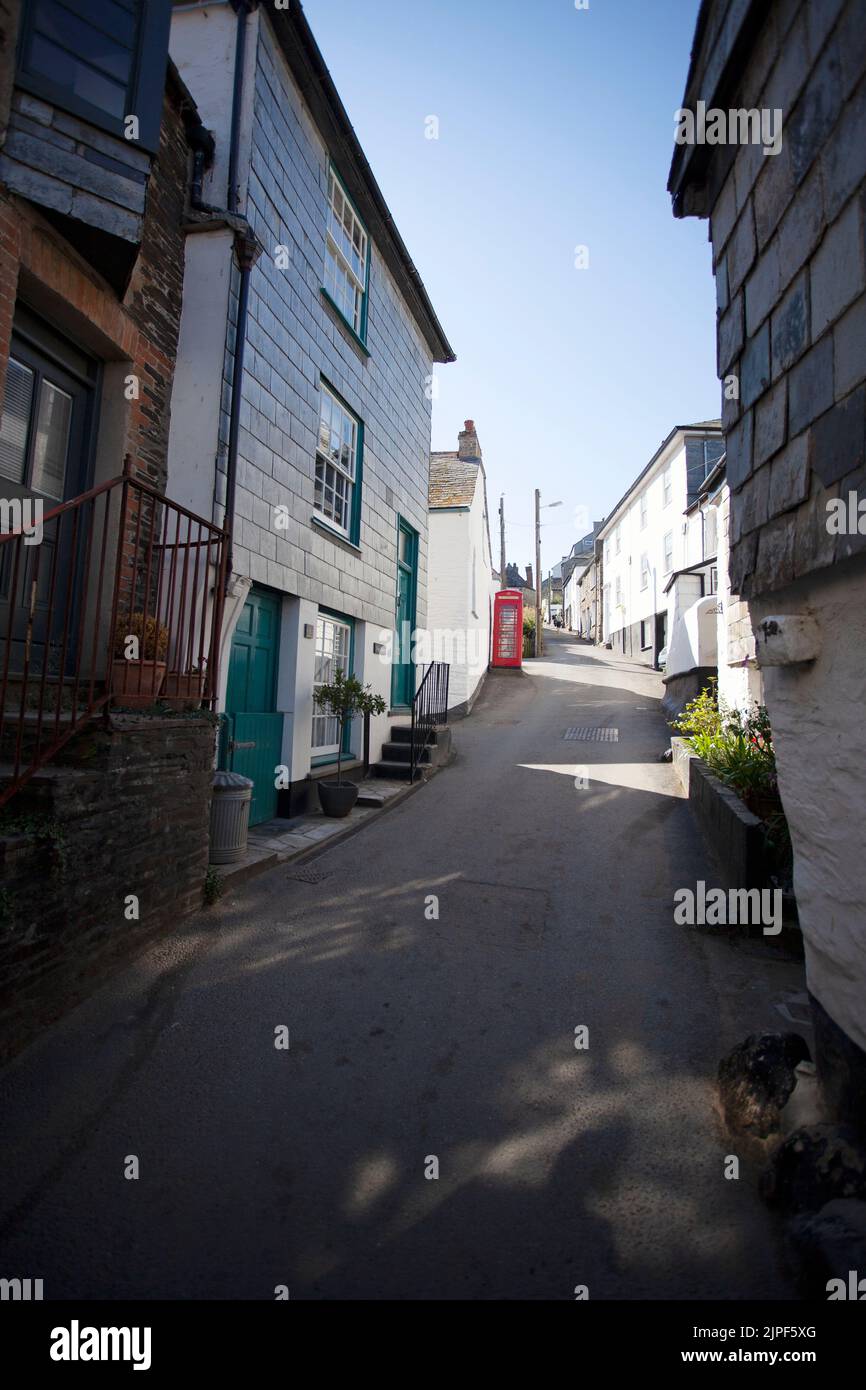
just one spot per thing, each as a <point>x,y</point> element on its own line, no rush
<point>353,532</point>
<point>325,759</point>
<point>360,333</point>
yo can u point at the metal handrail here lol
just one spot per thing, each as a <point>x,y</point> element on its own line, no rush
<point>119,561</point>
<point>429,710</point>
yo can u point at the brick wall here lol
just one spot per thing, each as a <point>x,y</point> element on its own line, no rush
<point>788,249</point>
<point>133,804</point>
<point>143,327</point>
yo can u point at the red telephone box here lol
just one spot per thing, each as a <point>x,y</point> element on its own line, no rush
<point>508,628</point>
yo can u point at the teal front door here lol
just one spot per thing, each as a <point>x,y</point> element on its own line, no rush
<point>254,733</point>
<point>403,667</point>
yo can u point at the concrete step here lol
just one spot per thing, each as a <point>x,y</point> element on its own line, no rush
<point>397,772</point>
<point>438,742</point>
<point>402,733</point>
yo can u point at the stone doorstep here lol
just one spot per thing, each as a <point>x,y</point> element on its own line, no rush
<point>305,837</point>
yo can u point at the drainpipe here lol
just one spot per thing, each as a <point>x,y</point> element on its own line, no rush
<point>243,8</point>
<point>247,250</point>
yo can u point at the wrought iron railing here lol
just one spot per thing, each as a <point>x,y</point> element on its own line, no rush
<point>117,596</point>
<point>429,711</point>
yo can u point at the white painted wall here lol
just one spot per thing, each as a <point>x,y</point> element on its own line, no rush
<point>622,560</point>
<point>202,47</point>
<point>692,625</point>
<point>193,442</point>
<point>571,598</point>
<point>460,593</point>
<point>740,683</point>
<point>816,711</point>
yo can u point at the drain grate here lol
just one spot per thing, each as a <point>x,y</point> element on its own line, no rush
<point>593,735</point>
<point>308,875</point>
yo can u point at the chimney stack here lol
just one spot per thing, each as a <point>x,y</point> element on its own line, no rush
<point>467,442</point>
<point>529,576</point>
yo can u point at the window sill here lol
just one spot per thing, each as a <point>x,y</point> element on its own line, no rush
<point>357,341</point>
<point>319,767</point>
<point>333,534</point>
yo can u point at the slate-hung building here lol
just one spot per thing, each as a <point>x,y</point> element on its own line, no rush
<point>323,460</point>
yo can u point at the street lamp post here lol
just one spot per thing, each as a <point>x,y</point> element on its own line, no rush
<point>547,506</point>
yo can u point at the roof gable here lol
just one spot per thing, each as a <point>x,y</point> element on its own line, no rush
<point>452,481</point>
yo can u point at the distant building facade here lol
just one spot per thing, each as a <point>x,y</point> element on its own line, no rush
<point>643,541</point>
<point>460,568</point>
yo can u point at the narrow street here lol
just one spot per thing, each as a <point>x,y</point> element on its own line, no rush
<point>413,1038</point>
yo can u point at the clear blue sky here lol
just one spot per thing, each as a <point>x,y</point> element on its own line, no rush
<point>555,130</point>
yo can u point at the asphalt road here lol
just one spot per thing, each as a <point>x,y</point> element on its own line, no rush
<point>416,1039</point>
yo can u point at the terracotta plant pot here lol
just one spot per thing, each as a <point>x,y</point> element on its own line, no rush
<point>125,678</point>
<point>337,798</point>
<point>187,683</point>
<point>183,689</point>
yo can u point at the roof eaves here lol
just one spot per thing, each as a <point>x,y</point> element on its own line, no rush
<point>718,56</point>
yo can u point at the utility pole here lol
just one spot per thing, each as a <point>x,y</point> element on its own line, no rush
<point>503,577</point>
<point>537,572</point>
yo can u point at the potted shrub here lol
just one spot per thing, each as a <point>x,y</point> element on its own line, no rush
<point>342,700</point>
<point>139,680</point>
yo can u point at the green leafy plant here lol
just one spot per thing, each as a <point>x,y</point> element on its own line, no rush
<point>701,715</point>
<point>213,887</point>
<point>736,745</point>
<point>342,700</point>
<point>152,637</point>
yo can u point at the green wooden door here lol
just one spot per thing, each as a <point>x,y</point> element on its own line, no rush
<point>403,667</point>
<point>254,733</point>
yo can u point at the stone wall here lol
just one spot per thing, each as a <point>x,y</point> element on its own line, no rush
<point>787,234</point>
<point>124,812</point>
<point>790,264</point>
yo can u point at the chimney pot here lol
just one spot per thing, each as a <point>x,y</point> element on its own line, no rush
<point>467,442</point>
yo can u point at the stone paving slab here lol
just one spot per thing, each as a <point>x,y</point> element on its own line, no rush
<point>283,839</point>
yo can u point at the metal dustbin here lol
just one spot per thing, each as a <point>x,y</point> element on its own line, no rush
<point>229,817</point>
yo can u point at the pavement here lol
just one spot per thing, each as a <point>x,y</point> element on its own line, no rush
<point>283,839</point>
<point>432,1130</point>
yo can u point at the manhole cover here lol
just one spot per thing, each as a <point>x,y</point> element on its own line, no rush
<point>593,735</point>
